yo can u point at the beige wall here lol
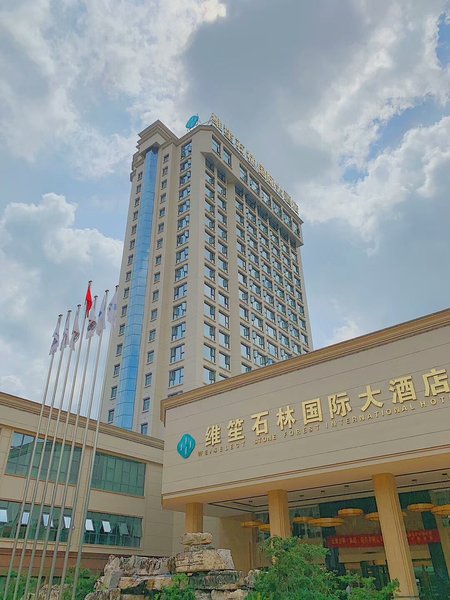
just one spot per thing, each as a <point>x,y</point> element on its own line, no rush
<point>418,432</point>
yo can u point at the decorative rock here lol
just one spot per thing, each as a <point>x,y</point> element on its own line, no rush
<point>217,580</point>
<point>201,595</point>
<point>196,539</point>
<point>158,582</point>
<point>111,580</point>
<point>127,583</point>
<point>114,594</point>
<point>132,597</point>
<point>251,578</point>
<point>227,595</point>
<point>195,561</point>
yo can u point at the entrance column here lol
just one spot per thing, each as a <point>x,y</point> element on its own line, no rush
<point>395,541</point>
<point>279,514</point>
<point>193,520</point>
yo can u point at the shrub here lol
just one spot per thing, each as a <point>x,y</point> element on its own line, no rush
<point>179,590</point>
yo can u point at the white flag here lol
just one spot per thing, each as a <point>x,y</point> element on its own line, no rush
<point>101,319</point>
<point>112,311</point>
<point>55,337</point>
<point>92,322</point>
<point>65,336</point>
<point>75,331</point>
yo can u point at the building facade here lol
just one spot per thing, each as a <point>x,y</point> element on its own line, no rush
<point>211,281</point>
<point>125,515</point>
<point>346,447</point>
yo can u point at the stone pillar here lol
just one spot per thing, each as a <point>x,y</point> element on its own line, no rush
<point>193,522</point>
<point>395,541</point>
<point>279,514</point>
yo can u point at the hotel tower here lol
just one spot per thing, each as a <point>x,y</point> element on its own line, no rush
<point>211,283</point>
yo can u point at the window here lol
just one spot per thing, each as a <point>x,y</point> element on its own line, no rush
<point>159,244</point>
<point>162,212</point>
<point>209,353</point>
<point>243,312</point>
<point>224,320</point>
<point>210,255</point>
<point>155,295</point>
<point>243,173</point>
<point>158,259</point>
<point>184,192</point>
<point>183,222</point>
<point>160,227</point>
<point>162,198</point>
<point>176,377</point>
<point>112,530</point>
<point>113,394</point>
<point>180,291</point>
<point>245,368</point>
<point>156,277</point>
<point>122,329</point>
<point>209,291</point>
<point>215,145</point>
<point>124,310</point>
<point>136,201</point>
<point>223,264</point>
<point>182,238</point>
<point>138,188</point>
<point>154,314</point>
<point>119,349</point>
<point>111,415</point>
<point>209,272</point>
<point>116,370</point>
<point>223,300</point>
<point>227,156</point>
<point>150,356</point>
<point>165,170</point>
<point>184,207</point>
<point>148,379</point>
<point>144,428</point>
<point>258,340</point>
<point>177,353</point>
<point>223,249</point>
<point>209,310</point>
<point>181,272</point>
<point>139,176</point>
<point>210,239</point>
<point>272,349</point>
<point>130,260</point>
<point>132,244</point>
<point>209,376</point>
<point>223,281</point>
<point>224,361</point>
<point>271,331</point>
<point>152,335</point>
<point>135,215</point>
<point>209,331</point>
<point>245,331</point>
<point>178,331</point>
<point>179,310</point>
<point>209,164</point>
<point>185,165</point>
<point>128,276</point>
<point>223,192</point>
<point>164,184</point>
<point>186,149</point>
<point>245,351</point>
<point>166,158</point>
<point>242,278</point>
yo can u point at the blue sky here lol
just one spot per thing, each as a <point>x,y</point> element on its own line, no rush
<point>346,103</point>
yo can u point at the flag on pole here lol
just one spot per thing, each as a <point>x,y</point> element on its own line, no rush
<point>92,322</point>
<point>88,300</point>
<point>65,336</point>
<point>112,310</point>
<point>75,330</point>
<point>55,337</point>
<point>101,319</point>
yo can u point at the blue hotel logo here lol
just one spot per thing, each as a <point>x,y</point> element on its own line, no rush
<point>186,445</point>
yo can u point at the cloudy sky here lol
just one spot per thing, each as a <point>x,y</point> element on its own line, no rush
<point>346,103</point>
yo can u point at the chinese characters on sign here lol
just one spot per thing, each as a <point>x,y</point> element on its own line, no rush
<point>309,415</point>
<point>217,123</point>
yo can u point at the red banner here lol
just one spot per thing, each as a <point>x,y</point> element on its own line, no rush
<point>370,540</point>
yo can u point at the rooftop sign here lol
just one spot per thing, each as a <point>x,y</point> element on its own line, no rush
<point>241,149</point>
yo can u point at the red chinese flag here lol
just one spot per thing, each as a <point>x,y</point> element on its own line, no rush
<point>88,300</point>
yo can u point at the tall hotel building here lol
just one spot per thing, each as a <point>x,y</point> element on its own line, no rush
<point>211,283</point>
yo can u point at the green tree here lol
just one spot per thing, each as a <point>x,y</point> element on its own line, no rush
<point>85,585</point>
<point>298,573</point>
<point>179,590</point>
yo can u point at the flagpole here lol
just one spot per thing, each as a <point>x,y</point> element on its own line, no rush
<point>60,463</point>
<point>70,461</point>
<point>36,482</point>
<point>92,458</point>
<point>64,344</point>
<point>83,448</point>
<point>30,469</point>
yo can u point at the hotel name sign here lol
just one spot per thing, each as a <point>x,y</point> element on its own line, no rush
<point>322,414</point>
<point>242,150</point>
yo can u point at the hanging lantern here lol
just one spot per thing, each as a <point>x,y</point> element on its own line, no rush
<point>250,524</point>
<point>420,507</point>
<point>373,516</point>
<point>442,511</point>
<point>302,519</point>
<point>327,522</point>
<point>350,512</point>
<point>264,527</point>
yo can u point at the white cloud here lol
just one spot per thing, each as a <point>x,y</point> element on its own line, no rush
<point>347,331</point>
<point>418,167</point>
<point>45,263</point>
<point>126,52</point>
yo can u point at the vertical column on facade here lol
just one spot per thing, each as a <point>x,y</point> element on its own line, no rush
<point>279,514</point>
<point>194,517</point>
<point>396,547</point>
